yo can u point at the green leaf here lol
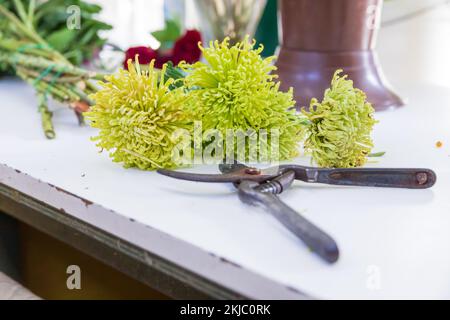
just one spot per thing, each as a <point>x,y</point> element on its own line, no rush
<point>170,33</point>
<point>376,154</point>
<point>51,17</point>
<point>75,57</point>
<point>62,39</point>
<point>175,73</point>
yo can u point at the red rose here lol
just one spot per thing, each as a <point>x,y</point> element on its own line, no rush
<point>186,48</point>
<point>162,59</point>
<point>146,55</point>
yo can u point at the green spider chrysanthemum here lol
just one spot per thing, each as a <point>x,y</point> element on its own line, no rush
<point>339,133</point>
<point>137,115</point>
<point>236,89</point>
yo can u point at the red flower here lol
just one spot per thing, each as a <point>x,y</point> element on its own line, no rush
<point>162,59</point>
<point>186,48</point>
<point>146,55</point>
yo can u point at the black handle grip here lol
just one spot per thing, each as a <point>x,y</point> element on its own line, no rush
<point>316,239</point>
<point>374,177</point>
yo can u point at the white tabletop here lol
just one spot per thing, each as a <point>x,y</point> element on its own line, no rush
<point>394,243</point>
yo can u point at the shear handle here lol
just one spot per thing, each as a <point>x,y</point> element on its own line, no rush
<point>369,177</point>
<point>315,238</point>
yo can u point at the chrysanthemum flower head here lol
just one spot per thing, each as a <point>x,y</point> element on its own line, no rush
<point>339,133</point>
<point>137,115</point>
<point>235,89</point>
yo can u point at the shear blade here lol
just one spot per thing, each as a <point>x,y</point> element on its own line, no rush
<point>235,176</point>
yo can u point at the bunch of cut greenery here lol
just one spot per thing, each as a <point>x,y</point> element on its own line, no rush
<point>50,19</point>
<point>31,58</point>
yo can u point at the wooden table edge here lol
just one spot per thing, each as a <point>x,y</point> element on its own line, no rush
<point>164,263</point>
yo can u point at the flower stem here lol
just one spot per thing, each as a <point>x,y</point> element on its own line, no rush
<point>19,59</point>
<point>46,117</point>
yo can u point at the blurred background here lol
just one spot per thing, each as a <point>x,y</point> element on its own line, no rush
<point>413,43</point>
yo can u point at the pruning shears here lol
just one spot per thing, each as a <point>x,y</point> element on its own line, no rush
<point>261,187</point>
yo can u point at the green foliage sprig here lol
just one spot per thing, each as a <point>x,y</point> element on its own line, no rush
<point>31,58</point>
<point>172,32</point>
<point>49,19</point>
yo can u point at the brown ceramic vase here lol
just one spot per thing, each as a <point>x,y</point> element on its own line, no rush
<point>320,36</point>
